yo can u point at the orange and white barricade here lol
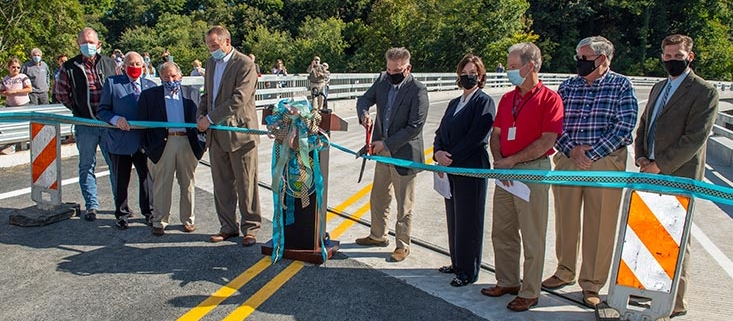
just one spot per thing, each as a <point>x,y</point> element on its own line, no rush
<point>651,244</point>
<point>45,165</point>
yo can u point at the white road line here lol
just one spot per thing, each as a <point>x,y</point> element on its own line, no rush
<point>714,251</point>
<point>27,190</point>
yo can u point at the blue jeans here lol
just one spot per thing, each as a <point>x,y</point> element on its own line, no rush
<point>87,140</point>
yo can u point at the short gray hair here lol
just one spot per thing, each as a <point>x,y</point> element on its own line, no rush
<point>36,50</point>
<point>85,31</point>
<point>169,65</point>
<point>131,54</point>
<point>395,54</point>
<point>528,52</point>
<point>599,45</point>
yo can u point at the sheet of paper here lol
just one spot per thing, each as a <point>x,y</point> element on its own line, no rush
<point>442,185</point>
<point>517,189</point>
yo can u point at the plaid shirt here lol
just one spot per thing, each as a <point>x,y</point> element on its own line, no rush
<point>601,115</point>
<point>94,85</point>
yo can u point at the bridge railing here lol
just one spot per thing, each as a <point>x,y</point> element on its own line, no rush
<point>272,88</point>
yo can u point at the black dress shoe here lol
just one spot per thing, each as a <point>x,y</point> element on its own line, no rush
<point>148,219</point>
<point>677,314</point>
<point>121,223</point>
<point>91,215</point>
<point>461,280</point>
<point>446,269</point>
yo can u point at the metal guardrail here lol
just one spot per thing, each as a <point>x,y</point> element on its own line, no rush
<point>272,88</point>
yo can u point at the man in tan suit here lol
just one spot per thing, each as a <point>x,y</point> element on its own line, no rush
<point>229,99</point>
<point>683,107</point>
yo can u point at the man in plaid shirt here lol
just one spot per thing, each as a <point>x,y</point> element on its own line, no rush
<point>600,114</point>
<point>79,88</point>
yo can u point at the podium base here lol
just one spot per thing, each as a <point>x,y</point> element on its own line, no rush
<point>310,256</point>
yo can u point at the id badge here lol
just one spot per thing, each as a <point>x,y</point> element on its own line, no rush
<point>512,134</point>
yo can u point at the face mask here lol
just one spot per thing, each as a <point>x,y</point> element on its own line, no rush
<point>134,72</point>
<point>218,54</point>
<point>397,78</point>
<point>118,59</point>
<point>88,50</point>
<point>147,60</point>
<point>172,85</point>
<point>36,59</point>
<point>514,77</point>
<point>676,67</point>
<point>468,81</point>
<point>585,67</point>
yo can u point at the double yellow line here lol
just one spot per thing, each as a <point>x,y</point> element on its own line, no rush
<point>251,304</point>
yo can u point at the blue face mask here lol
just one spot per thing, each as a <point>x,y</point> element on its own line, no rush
<point>147,60</point>
<point>218,54</point>
<point>88,50</point>
<point>172,85</point>
<point>36,59</point>
<point>514,77</point>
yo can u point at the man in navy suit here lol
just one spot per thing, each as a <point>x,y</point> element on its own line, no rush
<point>174,150</point>
<point>118,105</point>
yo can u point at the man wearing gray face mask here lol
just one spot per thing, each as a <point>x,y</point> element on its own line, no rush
<point>40,75</point>
<point>600,114</point>
<point>683,107</point>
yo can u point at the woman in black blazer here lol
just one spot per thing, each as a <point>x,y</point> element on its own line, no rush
<point>461,141</point>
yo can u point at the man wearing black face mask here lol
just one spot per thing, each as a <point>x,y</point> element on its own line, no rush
<point>683,107</point>
<point>402,107</point>
<point>599,116</point>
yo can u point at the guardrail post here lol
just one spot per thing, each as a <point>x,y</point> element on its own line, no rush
<point>45,179</point>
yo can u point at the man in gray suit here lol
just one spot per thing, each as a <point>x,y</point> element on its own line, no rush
<point>674,128</point>
<point>229,99</point>
<point>402,107</point>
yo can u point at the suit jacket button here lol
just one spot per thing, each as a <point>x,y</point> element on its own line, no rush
<point>165,139</point>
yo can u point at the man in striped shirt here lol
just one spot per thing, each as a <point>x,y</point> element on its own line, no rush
<point>600,114</point>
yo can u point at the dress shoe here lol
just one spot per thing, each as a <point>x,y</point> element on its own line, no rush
<point>222,236</point>
<point>399,255</point>
<point>520,304</point>
<point>460,280</point>
<point>369,241</point>
<point>448,269</point>
<point>554,283</point>
<point>249,240</point>
<point>158,231</point>
<point>498,291</point>
<point>122,223</point>
<point>591,298</point>
<point>148,219</point>
<point>91,214</point>
<point>677,314</point>
<point>188,228</point>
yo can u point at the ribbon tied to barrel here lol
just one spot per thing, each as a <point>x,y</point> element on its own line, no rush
<point>296,174</point>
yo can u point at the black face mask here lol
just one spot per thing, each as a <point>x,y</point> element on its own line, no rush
<point>397,78</point>
<point>468,81</point>
<point>675,67</point>
<point>585,67</point>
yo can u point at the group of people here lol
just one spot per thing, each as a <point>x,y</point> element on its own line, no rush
<point>586,125</point>
<point>93,86</point>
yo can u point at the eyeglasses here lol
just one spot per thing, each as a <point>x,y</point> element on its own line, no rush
<point>583,57</point>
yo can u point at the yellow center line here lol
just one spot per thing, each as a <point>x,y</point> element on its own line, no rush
<point>249,306</point>
<point>225,292</point>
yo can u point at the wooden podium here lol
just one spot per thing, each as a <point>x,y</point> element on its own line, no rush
<point>302,241</point>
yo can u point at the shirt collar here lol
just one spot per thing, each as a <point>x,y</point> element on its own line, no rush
<point>464,100</point>
<point>538,86</point>
<point>679,79</point>
<point>228,56</point>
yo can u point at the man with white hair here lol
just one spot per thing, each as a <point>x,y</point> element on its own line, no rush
<point>118,105</point>
<point>40,75</point>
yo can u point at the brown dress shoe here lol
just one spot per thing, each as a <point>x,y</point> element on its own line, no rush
<point>249,240</point>
<point>399,255</point>
<point>369,241</point>
<point>520,304</point>
<point>222,236</point>
<point>188,228</point>
<point>554,283</point>
<point>591,298</point>
<point>497,291</point>
<point>158,231</point>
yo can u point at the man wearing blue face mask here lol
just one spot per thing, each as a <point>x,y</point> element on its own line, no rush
<point>528,121</point>
<point>79,88</point>
<point>674,128</point>
<point>229,99</point>
<point>40,75</point>
<point>600,114</point>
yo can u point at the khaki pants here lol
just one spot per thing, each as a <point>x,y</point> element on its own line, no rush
<point>178,159</point>
<point>512,216</point>
<point>600,218</point>
<point>386,183</point>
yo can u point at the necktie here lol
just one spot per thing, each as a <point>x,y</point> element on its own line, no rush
<point>653,126</point>
<point>136,90</point>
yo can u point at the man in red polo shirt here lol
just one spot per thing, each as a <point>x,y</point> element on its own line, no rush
<point>528,121</point>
